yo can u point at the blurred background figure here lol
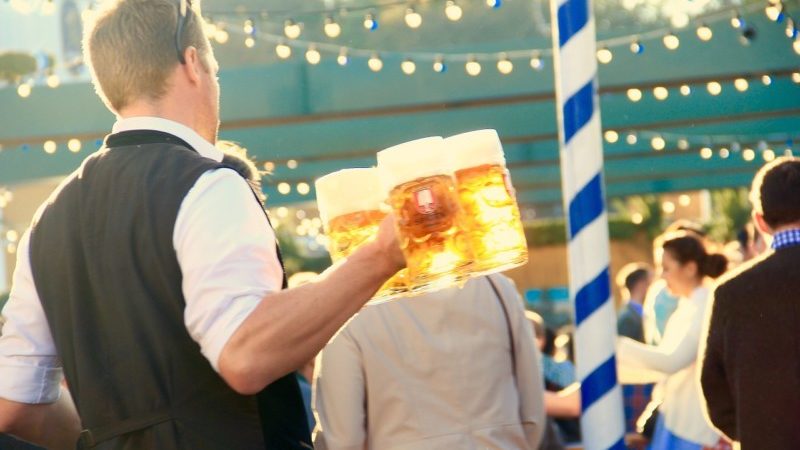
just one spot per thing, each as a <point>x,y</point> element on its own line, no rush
<point>687,269</point>
<point>409,373</point>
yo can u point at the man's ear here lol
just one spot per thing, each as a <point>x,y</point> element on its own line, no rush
<point>193,64</point>
<point>761,224</point>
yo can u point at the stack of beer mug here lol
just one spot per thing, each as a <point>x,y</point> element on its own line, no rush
<point>453,203</point>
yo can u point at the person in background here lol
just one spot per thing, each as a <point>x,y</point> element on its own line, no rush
<point>451,369</point>
<point>749,355</point>
<point>687,269</point>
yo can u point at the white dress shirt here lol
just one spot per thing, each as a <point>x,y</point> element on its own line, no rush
<point>226,251</point>
<point>432,372</point>
<point>674,362</point>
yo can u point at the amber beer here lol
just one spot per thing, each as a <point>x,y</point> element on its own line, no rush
<point>422,194</point>
<point>349,203</point>
<point>491,214</point>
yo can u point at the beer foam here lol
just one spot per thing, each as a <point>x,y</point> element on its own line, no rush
<point>475,148</point>
<point>412,160</point>
<point>347,191</point>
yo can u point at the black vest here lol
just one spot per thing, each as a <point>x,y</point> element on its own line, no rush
<point>108,278</point>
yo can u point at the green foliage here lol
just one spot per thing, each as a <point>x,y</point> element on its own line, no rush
<point>14,65</point>
<point>294,259</point>
<point>731,212</point>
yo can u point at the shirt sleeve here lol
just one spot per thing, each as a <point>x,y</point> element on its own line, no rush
<point>227,254</point>
<point>30,371</point>
<point>339,396</point>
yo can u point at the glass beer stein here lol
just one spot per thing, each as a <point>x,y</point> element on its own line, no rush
<point>349,203</point>
<point>422,194</point>
<point>491,214</point>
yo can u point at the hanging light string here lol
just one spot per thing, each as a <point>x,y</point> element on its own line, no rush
<point>285,44</point>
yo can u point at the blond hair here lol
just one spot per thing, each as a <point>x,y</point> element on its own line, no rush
<point>129,46</point>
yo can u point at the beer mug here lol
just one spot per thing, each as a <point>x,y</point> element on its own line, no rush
<point>491,214</point>
<point>422,194</point>
<point>349,203</point>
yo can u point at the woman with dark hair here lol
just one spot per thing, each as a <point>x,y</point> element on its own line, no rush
<point>687,268</point>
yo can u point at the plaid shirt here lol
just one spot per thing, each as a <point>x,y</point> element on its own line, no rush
<point>635,397</point>
<point>786,238</point>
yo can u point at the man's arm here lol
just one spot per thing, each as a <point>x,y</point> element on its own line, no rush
<point>51,425</point>
<point>718,405</point>
<point>289,327</point>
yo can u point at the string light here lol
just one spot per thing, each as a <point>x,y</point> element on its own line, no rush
<point>269,166</point>
<point>439,65</point>
<point>604,55</point>
<point>221,36</point>
<point>292,164</point>
<point>342,58</point>
<point>724,153</point>
<point>24,90</point>
<point>773,11</point>
<point>249,42</point>
<point>331,28</point>
<point>741,84</point>
<point>53,81</point>
<point>292,29</point>
<point>706,153</point>
<point>685,90</point>
<point>736,21</point>
<point>249,27</point>
<point>668,207</point>
<point>504,65</point>
<point>284,188</point>
<point>714,88</point>
<point>637,47</point>
<point>282,212</point>
<point>748,154</point>
<point>370,24</point>
<point>796,77</point>
<point>374,63</point>
<point>637,218</point>
<point>631,139</point>
<point>494,3</point>
<point>684,200</point>
<point>660,93</point>
<point>791,28</point>
<point>303,188</point>
<point>12,235</point>
<point>50,147</point>
<point>658,143</point>
<point>408,67</point>
<point>312,55</point>
<point>796,46</point>
<point>473,67</point>
<point>671,41</point>
<point>413,19</point>
<point>536,62</point>
<point>704,32</point>
<point>453,11</point>
<point>283,51</point>
<point>74,145</point>
<point>634,94</point>
<point>611,136</point>
<point>683,144</point>
<point>768,155</point>
<point>766,80</point>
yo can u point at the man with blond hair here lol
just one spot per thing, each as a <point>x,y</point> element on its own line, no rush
<point>150,279</point>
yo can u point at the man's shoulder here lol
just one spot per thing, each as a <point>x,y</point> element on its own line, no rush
<point>745,274</point>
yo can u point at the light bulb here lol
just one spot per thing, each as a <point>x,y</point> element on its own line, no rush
<point>714,88</point>
<point>683,144</point>
<point>312,55</point>
<point>50,147</point>
<point>24,90</point>
<point>494,3</point>
<point>658,143</point>
<point>773,11</point>
<point>741,84</point>
<point>685,90</point>
<point>370,24</point>
<point>473,67</point>
<point>660,93</point>
<point>796,46</point>
<point>408,67</point>
<point>53,81</point>
<point>769,155</point>
<point>604,55</point>
<point>332,29</point>
<point>504,65</point>
<point>631,139</point>
<point>248,27</point>
<point>292,29</point>
<point>634,94</point>
<point>375,64</point>
<point>611,136</point>
<point>796,77</point>
<point>536,62</point>
<point>284,188</point>
<point>283,51</point>
<point>736,21</point>
<point>221,36</point>
<point>766,80</point>
<point>706,153</point>
<point>342,58</point>
<point>413,18</point>
<point>791,28</point>
<point>704,32</point>
<point>249,42</point>
<point>671,41</point>
<point>453,11</point>
<point>303,188</point>
<point>748,154</point>
<point>637,47</point>
<point>292,164</point>
<point>74,145</point>
<point>438,65</point>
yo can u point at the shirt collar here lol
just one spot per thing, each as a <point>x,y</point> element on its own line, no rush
<point>202,146</point>
<point>786,238</point>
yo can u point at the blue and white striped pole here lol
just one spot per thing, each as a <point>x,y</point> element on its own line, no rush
<point>574,47</point>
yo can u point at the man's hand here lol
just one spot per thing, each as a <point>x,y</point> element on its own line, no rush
<point>388,241</point>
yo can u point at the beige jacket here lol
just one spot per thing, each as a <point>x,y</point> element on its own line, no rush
<point>432,372</point>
